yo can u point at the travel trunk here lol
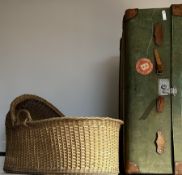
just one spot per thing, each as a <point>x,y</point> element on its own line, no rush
<point>151,90</point>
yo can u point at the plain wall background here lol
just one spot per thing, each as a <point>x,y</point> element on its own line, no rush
<point>66,51</point>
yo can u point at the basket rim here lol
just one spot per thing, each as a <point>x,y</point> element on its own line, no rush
<point>76,118</point>
<point>51,119</point>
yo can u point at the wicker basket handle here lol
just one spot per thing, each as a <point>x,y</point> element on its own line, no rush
<point>33,102</point>
<point>23,116</point>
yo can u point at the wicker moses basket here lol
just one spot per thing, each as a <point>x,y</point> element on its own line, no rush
<point>41,140</point>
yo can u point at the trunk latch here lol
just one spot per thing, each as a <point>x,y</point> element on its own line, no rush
<point>165,89</point>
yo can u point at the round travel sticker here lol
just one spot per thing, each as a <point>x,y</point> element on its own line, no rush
<point>144,66</point>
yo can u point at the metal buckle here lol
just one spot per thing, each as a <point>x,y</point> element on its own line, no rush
<point>164,88</point>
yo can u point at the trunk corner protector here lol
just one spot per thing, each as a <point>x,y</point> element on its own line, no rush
<point>129,14</point>
<point>176,9</point>
<point>178,168</point>
<point>132,168</point>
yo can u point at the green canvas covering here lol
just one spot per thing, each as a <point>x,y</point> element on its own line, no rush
<point>138,92</point>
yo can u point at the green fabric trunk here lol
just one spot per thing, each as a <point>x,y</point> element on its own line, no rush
<point>139,92</point>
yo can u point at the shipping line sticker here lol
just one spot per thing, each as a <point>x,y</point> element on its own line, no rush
<point>144,66</point>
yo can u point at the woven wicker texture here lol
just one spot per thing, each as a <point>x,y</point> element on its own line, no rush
<point>58,144</point>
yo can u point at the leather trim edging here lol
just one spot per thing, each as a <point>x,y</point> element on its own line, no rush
<point>132,168</point>
<point>178,168</point>
<point>130,13</point>
<point>177,9</point>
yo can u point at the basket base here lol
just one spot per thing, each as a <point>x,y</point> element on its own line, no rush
<point>58,173</point>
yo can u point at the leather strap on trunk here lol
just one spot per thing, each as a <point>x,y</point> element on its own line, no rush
<point>160,104</point>
<point>160,142</point>
<point>159,64</point>
<point>158,34</point>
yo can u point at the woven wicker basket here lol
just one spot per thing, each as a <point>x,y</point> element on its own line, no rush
<point>41,140</point>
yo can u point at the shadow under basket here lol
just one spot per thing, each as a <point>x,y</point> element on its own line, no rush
<point>41,140</point>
